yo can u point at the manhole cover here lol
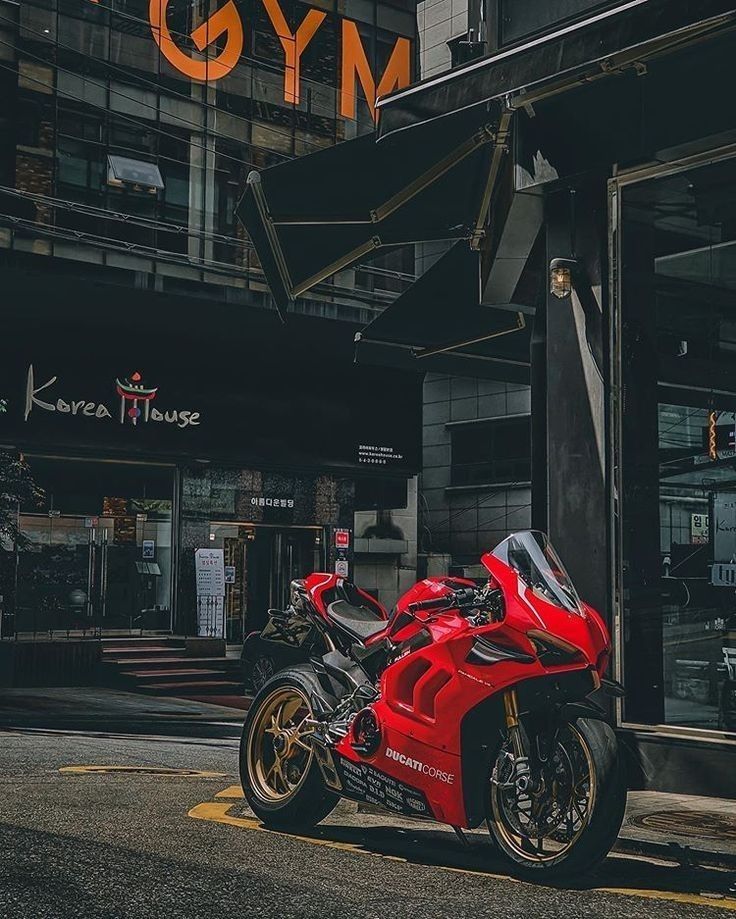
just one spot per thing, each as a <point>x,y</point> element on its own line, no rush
<point>704,824</point>
<point>140,770</point>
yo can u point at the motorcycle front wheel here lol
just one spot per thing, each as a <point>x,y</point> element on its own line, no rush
<point>282,781</point>
<point>565,820</point>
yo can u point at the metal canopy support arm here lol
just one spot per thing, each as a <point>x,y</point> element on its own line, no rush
<point>499,151</point>
<point>484,136</point>
<point>456,346</point>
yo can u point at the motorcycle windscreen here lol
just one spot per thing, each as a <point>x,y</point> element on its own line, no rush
<point>532,556</point>
<point>314,216</point>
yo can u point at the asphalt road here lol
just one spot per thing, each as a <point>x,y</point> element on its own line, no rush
<point>80,843</point>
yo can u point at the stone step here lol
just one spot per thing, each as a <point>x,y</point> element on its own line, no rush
<point>160,665</point>
<point>193,687</point>
<point>181,675</point>
<point>143,663</point>
<point>153,651</point>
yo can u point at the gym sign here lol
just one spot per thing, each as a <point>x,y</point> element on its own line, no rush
<point>225,29</point>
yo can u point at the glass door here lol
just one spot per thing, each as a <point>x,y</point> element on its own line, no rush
<point>56,575</point>
<point>260,563</point>
<point>81,574</point>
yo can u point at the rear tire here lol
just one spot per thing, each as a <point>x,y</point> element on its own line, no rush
<point>281,778</point>
<point>597,836</point>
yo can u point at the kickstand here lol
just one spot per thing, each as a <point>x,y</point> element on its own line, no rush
<point>462,837</point>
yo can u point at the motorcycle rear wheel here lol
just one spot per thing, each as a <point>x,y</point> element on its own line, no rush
<point>281,778</point>
<point>570,823</point>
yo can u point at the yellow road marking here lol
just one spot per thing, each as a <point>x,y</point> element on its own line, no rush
<point>219,812</point>
<point>142,770</point>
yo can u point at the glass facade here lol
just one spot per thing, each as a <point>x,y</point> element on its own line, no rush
<point>128,130</point>
<point>678,446</point>
<point>201,91</point>
<point>97,553</point>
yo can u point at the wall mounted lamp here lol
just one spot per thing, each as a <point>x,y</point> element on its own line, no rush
<point>561,273</point>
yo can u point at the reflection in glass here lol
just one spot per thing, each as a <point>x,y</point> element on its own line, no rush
<point>679,447</point>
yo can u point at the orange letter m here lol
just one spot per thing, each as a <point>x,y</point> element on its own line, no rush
<point>355,67</point>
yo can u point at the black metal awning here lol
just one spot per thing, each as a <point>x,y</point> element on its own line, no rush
<point>607,43</point>
<point>316,215</point>
<point>440,324</point>
<point>429,174</point>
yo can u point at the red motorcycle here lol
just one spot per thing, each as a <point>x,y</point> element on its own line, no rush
<point>467,705</point>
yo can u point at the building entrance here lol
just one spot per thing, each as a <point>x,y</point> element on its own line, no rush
<point>260,563</point>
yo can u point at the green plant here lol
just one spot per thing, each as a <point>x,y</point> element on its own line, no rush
<point>17,489</point>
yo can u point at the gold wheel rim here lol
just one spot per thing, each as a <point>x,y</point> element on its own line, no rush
<point>516,842</point>
<point>279,756</point>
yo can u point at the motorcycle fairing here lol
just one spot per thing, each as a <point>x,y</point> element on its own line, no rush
<point>427,695</point>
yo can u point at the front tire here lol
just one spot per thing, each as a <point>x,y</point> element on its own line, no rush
<point>281,778</point>
<point>574,821</point>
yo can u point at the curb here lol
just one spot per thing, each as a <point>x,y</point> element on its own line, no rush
<point>685,855</point>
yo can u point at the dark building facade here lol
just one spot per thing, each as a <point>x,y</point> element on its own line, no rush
<point>476,468</point>
<point>144,375</point>
<point>593,263</point>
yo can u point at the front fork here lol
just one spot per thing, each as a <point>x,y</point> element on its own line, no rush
<point>522,772</point>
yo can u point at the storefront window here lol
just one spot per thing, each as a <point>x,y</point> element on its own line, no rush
<point>97,555</point>
<point>678,447</point>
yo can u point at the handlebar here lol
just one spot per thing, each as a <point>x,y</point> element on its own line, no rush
<point>447,601</point>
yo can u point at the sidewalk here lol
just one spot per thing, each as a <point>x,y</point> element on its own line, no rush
<point>682,828</point>
<point>91,708</point>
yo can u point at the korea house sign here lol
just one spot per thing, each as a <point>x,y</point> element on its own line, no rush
<point>134,403</point>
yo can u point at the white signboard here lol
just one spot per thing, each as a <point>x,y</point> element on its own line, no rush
<point>723,527</point>
<point>699,528</point>
<point>723,575</point>
<point>211,617</point>
<point>342,569</point>
<point>209,566</point>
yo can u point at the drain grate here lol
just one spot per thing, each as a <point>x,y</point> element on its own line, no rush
<point>703,824</point>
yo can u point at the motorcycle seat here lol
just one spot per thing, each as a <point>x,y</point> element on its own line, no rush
<point>359,622</point>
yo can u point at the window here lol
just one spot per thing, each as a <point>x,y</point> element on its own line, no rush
<point>491,452</point>
<point>110,91</point>
<point>377,494</point>
<point>678,447</point>
<point>520,19</point>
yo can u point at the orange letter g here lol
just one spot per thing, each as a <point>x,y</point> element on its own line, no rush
<point>225,20</point>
